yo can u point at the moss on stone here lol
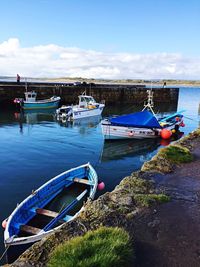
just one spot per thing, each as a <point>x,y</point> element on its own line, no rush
<point>177,154</point>
<point>149,199</point>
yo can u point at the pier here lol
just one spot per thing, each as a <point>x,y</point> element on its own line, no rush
<point>111,93</point>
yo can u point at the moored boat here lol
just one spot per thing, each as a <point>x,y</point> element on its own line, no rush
<point>30,102</point>
<point>24,224</point>
<point>143,124</point>
<point>86,107</point>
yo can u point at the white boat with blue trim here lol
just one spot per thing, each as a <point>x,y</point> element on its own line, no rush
<point>24,224</point>
<point>143,124</point>
<point>31,103</point>
<point>86,107</point>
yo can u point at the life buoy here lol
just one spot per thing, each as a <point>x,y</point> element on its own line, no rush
<point>131,133</point>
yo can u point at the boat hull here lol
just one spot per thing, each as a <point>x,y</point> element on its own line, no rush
<point>27,210</point>
<point>43,104</point>
<point>84,113</point>
<point>112,132</point>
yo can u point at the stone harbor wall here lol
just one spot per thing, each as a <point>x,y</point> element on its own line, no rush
<point>111,93</point>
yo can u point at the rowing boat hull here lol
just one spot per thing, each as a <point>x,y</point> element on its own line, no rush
<point>26,210</point>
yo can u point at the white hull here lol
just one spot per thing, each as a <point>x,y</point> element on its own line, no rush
<point>79,113</point>
<point>122,132</point>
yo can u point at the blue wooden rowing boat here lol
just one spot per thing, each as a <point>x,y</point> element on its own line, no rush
<point>24,224</point>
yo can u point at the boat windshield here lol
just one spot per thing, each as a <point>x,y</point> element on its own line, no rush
<point>87,99</point>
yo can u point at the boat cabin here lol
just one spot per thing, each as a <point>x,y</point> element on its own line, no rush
<point>30,96</point>
<point>85,101</point>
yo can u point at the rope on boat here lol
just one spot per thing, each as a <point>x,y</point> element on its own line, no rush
<point>6,249</point>
<point>190,118</point>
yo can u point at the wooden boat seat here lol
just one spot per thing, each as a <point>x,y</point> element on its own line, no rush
<point>30,229</point>
<point>48,213</point>
<point>82,181</point>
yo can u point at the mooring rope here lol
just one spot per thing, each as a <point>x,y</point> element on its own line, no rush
<point>6,249</point>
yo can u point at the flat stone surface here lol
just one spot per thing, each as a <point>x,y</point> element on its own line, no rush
<point>170,234</point>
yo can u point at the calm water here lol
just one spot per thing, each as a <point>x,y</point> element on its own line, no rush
<point>34,147</point>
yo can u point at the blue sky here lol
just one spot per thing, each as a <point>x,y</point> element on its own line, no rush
<point>149,29</point>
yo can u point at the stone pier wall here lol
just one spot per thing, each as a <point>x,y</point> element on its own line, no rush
<point>111,93</point>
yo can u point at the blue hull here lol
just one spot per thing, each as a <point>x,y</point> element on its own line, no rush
<point>28,209</point>
<point>39,105</point>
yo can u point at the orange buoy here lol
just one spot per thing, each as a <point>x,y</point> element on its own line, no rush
<point>4,223</point>
<point>165,133</point>
<point>164,142</point>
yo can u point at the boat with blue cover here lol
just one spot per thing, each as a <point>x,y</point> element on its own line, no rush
<point>143,124</point>
<point>31,103</point>
<point>36,216</point>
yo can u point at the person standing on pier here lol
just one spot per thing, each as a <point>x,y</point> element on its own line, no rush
<point>18,78</point>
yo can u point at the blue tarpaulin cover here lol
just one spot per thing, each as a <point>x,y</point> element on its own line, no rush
<point>143,119</point>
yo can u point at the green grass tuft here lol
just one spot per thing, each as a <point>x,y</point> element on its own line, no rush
<point>103,247</point>
<point>177,154</point>
<point>146,200</point>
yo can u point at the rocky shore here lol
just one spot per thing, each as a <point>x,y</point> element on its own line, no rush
<point>158,206</point>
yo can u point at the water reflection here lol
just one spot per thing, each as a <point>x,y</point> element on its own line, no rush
<point>89,122</point>
<point>33,117</point>
<point>119,149</point>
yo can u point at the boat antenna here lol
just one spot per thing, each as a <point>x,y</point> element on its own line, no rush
<point>26,84</point>
<point>149,104</point>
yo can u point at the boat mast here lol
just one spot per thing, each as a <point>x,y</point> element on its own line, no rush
<point>26,84</point>
<point>149,105</point>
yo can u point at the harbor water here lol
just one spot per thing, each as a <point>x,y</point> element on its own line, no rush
<point>35,147</point>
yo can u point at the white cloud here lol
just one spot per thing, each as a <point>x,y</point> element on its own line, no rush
<point>56,61</point>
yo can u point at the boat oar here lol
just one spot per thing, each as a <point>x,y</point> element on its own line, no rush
<point>51,224</point>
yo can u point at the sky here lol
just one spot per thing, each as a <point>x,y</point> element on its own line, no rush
<point>105,39</point>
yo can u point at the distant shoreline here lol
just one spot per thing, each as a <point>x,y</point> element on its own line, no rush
<point>161,82</point>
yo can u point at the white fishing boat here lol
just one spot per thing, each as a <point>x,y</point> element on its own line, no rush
<point>25,225</point>
<point>86,107</point>
<point>143,124</point>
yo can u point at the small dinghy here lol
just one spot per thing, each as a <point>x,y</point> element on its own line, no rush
<point>35,218</point>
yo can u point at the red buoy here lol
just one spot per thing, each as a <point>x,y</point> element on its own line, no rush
<point>165,133</point>
<point>164,142</point>
<point>101,186</point>
<point>182,124</point>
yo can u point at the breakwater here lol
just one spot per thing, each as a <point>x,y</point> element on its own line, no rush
<point>111,93</point>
